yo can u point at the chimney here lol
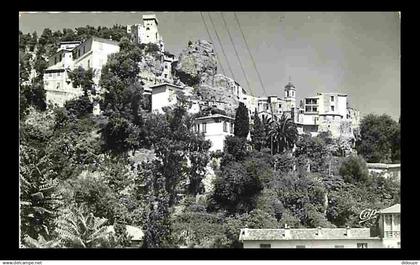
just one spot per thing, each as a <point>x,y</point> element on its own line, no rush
<point>318,230</point>
<point>347,233</point>
<point>286,233</point>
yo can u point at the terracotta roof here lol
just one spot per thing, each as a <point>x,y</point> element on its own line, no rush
<point>396,208</point>
<point>305,234</point>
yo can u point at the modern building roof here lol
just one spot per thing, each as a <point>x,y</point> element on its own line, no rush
<point>214,116</point>
<point>306,234</point>
<point>396,208</point>
<point>382,166</point>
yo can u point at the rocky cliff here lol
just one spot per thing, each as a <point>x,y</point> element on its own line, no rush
<point>197,63</point>
<point>197,67</point>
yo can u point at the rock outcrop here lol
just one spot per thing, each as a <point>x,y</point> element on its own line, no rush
<point>151,69</point>
<point>197,67</point>
<point>197,64</point>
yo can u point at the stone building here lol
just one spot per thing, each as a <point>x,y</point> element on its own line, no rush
<point>147,32</point>
<point>388,225</point>
<point>91,54</point>
<point>328,112</point>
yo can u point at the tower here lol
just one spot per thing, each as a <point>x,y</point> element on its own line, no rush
<point>290,99</point>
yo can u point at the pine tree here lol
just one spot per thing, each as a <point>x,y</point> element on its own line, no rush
<point>241,121</point>
<point>258,133</point>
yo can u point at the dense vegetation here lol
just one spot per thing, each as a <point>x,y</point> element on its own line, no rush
<point>81,173</point>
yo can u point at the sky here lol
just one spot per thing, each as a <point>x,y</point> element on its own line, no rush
<point>357,53</point>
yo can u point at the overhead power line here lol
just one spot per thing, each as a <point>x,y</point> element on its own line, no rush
<point>236,53</point>
<point>221,45</point>
<point>211,39</point>
<point>250,54</point>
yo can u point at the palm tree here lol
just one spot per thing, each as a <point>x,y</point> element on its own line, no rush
<point>29,242</point>
<point>283,133</point>
<point>79,229</point>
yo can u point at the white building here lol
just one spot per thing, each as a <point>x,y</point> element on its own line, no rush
<point>215,128</point>
<point>385,170</point>
<point>388,235</point>
<point>92,53</point>
<point>147,32</point>
<point>164,95</point>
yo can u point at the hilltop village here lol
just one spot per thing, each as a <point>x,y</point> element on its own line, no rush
<point>166,75</point>
<point>144,148</point>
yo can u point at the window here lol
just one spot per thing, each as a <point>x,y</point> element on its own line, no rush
<point>88,63</point>
<point>49,74</point>
<point>166,75</point>
<point>265,245</point>
<point>147,28</point>
<point>204,127</point>
<point>397,219</point>
<point>61,57</point>
<point>58,85</point>
<point>166,66</point>
<point>339,246</point>
<point>231,127</point>
<point>362,245</point>
<point>224,126</point>
<point>55,60</point>
<point>307,109</point>
<point>388,219</point>
<point>300,246</point>
<point>332,98</point>
<point>332,108</point>
<point>314,109</point>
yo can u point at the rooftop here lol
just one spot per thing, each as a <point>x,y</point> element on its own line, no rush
<point>305,234</point>
<point>396,208</point>
<point>213,116</point>
<point>165,84</point>
<point>382,165</point>
<point>134,232</point>
<point>150,16</point>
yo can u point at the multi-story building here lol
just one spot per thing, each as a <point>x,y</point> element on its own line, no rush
<point>147,32</point>
<point>167,95</point>
<point>328,112</point>
<point>385,234</point>
<point>91,54</point>
<point>215,128</point>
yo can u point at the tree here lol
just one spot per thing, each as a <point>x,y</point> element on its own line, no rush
<point>236,189</point>
<point>283,134</point>
<point>354,169</point>
<point>312,150</point>
<point>79,229</point>
<point>41,242</point>
<point>235,148</point>
<point>258,133</point>
<point>83,78</point>
<point>120,135</point>
<point>79,107</point>
<point>377,136</point>
<point>241,127</point>
<point>157,228</point>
